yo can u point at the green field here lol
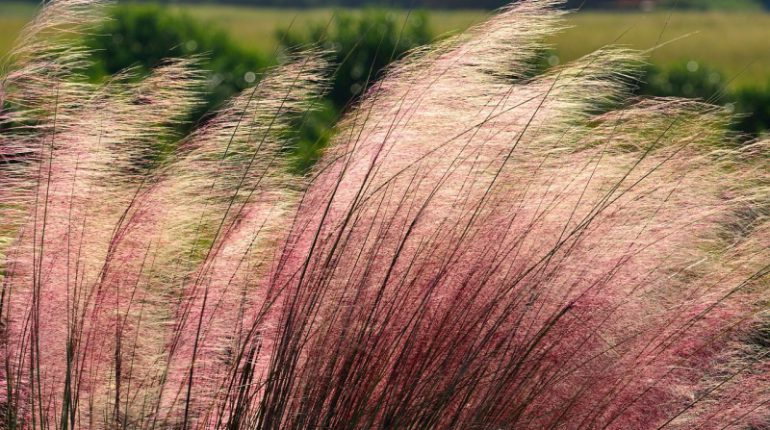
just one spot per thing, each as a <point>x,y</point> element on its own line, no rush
<point>12,19</point>
<point>736,43</point>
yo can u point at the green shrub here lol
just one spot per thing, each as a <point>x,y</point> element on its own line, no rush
<point>313,133</point>
<point>692,80</point>
<point>687,79</point>
<point>754,105</point>
<point>361,46</point>
<point>142,36</point>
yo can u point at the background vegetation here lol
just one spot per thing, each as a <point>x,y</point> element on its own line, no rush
<point>492,4</point>
<point>735,42</point>
<point>707,53</point>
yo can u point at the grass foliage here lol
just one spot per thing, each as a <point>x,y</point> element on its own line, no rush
<point>483,245</point>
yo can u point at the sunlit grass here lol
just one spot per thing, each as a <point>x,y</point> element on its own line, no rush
<point>483,244</point>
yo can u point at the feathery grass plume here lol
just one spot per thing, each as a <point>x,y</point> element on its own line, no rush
<point>67,281</point>
<point>40,73</point>
<point>482,251</point>
<point>95,277</point>
<point>238,202</point>
<point>481,247</point>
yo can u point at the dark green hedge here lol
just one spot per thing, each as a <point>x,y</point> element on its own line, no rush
<point>143,35</point>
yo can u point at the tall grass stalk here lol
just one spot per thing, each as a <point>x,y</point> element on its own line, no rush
<point>482,247</point>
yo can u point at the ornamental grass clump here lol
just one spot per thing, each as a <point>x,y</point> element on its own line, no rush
<point>482,246</point>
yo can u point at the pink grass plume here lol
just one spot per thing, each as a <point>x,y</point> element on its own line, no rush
<point>483,246</point>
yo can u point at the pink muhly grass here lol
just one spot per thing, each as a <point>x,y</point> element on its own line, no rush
<point>481,247</point>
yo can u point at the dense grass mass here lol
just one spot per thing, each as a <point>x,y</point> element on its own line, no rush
<point>484,244</point>
<point>734,43</point>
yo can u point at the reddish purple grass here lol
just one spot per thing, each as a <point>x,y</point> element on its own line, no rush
<point>481,248</point>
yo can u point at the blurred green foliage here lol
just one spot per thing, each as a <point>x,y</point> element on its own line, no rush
<point>479,4</point>
<point>693,80</point>
<point>722,5</point>
<point>313,132</point>
<point>143,35</point>
<point>687,79</point>
<point>753,105</point>
<point>360,46</point>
